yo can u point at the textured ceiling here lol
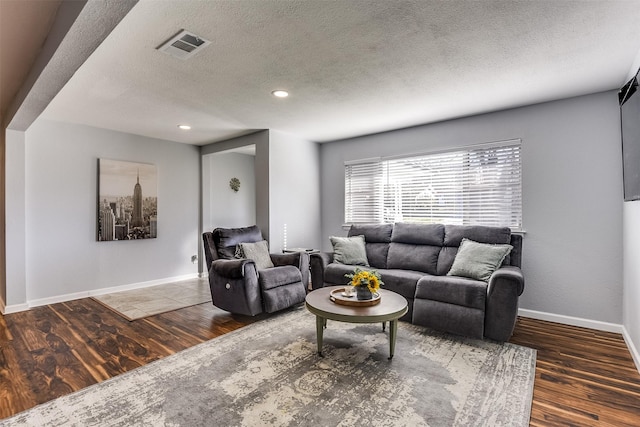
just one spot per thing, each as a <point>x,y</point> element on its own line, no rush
<point>352,67</point>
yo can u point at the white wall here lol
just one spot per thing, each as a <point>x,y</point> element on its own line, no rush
<point>226,207</point>
<point>631,245</point>
<point>572,188</point>
<point>294,192</point>
<point>62,254</point>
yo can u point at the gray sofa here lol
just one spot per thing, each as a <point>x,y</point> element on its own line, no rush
<point>413,260</point>
<point>240,286</point>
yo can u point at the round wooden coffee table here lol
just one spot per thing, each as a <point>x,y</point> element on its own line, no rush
<point>391,307</point>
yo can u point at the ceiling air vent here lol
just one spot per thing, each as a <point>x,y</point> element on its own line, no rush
<point>184,45</point>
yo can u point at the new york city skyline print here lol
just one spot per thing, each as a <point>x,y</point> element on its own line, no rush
<point>127,200</point>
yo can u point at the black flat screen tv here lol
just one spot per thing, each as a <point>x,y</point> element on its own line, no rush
<point>629,100</point>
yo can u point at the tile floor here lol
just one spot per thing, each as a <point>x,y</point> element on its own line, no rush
<point>139,303</point>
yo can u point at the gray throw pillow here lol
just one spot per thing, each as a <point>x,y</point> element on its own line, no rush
<point>258,252</point>
<point>349,250</point>
<point>478,260</point>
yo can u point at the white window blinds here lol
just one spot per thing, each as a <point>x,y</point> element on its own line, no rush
<point>479,185</point>
<point>363,191</point>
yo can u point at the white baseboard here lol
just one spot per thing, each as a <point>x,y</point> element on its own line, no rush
<point>632,348</point>
<point>14,308</point>
<point>587,323</point>
<point>573,321</point>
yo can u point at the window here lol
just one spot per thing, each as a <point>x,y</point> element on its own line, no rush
<point>479,185</point>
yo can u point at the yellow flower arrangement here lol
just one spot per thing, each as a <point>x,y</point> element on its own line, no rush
<point>370,279</point>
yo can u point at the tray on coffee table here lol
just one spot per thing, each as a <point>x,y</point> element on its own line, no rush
<point>337,297</point>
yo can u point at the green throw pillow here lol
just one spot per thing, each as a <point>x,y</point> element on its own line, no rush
<point>478,260</point>
<point>258,252</point>
<point>349,250</point>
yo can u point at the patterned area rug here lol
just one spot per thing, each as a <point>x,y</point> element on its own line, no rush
<point>268,373</point>
<point>139,303</point>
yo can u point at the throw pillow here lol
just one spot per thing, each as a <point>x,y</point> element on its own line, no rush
<point>349,250</point>
<point>478,260</point>
<point>258,252</point>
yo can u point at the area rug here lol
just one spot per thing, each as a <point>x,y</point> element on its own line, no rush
<point>269,374</point>
<point>139,303</point>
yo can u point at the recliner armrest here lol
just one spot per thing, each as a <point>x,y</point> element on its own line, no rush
<point>230,268</point>
<point>297,259</point>
<point>292,258</point>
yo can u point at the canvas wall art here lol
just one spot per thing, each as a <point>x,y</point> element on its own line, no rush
<point>127,200</point>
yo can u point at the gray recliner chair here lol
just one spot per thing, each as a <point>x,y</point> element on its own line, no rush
<point>238,286</point>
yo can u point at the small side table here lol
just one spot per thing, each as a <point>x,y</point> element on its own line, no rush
<point>293,250</point>
<point>307,250</point>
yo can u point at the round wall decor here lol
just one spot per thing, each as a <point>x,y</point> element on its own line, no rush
<point>234,184</point>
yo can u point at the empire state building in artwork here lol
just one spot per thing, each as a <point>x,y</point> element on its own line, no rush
<point>137,220</point>
<point>123,214</point>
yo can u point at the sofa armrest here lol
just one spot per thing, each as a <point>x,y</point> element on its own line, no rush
<point>297,259</point>
<point>230,268</point>
<point>319,261</point>
<point>501,311</point>
<point>506,277</point>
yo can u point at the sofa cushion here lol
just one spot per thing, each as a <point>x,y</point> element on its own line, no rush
<point>377,238</point>
<point>258,252</point>
<point>453,234</point>
<point>453,290</point>
<point>402,282</point>
<point>334,273</point>
<point>279,276</point>
<point>373,233</point>
<point>418,234</point>
<point>349,250</point>
<point>445,259</point>
<point>377,254</point>
<point>415,257</point>
<point>478,260</point>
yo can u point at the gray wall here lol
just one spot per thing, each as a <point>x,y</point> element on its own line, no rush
<point>61,252</point>
<point>261,141</point>
<point>223,206</point>
<point>287,186</point>
<point>572,188</point>
<point>294,199</point>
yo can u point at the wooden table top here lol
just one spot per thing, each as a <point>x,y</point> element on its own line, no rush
<point>392,306</point>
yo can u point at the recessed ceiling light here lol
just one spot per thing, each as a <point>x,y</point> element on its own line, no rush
<point>184,127</point>
<point>280,93</point>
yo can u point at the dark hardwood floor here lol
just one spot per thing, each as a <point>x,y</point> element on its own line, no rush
<point>583,377</point>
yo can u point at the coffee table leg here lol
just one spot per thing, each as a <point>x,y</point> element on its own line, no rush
<point>393,332</point>
<point>320,324</point>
